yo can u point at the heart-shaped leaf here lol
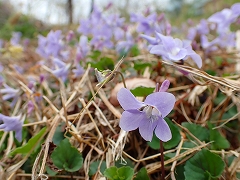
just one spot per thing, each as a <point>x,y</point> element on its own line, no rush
<point>198,131</point>
<point>219,142</point>
<point>204,165</point>
<point>142,174</point>
<point>122,173</point>
<point>67,157</point>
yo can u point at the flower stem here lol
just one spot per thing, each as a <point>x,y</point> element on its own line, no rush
<point>162,160</point>
<point>123,80</point>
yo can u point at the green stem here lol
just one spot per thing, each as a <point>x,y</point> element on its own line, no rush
<point>123,80</point>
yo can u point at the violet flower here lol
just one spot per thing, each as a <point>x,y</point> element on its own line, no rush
<point>16,37</point>
<point>174,49</point>
<point>82,48</point>
<point>62,69</point>
<point>125,46</point>
<point>146,24</point>
<point>30,107</point>
<point>10,93</point>
<point>206,45</point>
<point>99,42</point>
<point>51,45</point>
<point>148,115</point>
<point>78,71</point>
<point>225,18</point>
<point>13,123</point>
<point>70,36</point>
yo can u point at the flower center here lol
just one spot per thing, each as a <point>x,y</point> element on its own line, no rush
<point>152,113</point>
<point>175,51</point>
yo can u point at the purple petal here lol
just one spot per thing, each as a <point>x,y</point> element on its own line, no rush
<point>163,131</point>
<point>167,41</point>
<point>127,100</point>
<point>130,120</point>
<point>150,39</point>
<point>235,8</point>
<point>197,59</point>
<point>146,128</point>
<point>163,101</point>
<point>59,63</point>
<point>165,85</point>
<point>13,123</point>
<point>178,43</point>
<point>18,134</point>
<point>216,18</point>
<point>2,126</point>
<point>159,50</point>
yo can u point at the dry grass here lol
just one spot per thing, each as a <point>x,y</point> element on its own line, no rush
<point>93,129</point>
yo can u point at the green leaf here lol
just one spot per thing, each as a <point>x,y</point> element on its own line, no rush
<point>219,60</point>
<point>58,135</point>
<point>188,144</point>
<point>142,91</point>
<point>135,51</point>
<point>50,172</point>
<point>176,137</point>
<point>204,165</point>
<point>94,167</point>
<point>220,97</point>
<point>142,174</point>
<point>211,72</point>
<point>30,145</point>
<point>122,173</point>
<point>127,162</point>
<point>230,113</point>
<point>141,66</point>
<point>179,172</point>
<point>198,131</point>
<point>155,143</point>
<point>67,157</point>
<point>103,64</point>
<point>219,142</point>
<point>95,54</point>
<point>111,173</point>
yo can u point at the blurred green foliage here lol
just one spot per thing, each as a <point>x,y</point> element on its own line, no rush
<point>20,23</point>
<point>10,22</point>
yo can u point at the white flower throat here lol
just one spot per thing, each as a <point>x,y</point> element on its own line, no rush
<point>152,113</point>
<point>175,51</point>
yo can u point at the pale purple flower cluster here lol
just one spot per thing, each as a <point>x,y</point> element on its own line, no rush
<point>52,45</point>
<point>172,49</point>
<point>10,93</point>
<point>16,37</point>
<point>13,123</point>
<point>61,69</point>
<point>125,45</point>
<point>151,23</point>
<point>225,18</point>
<point>82,48</point>
<point>149,115</point>
<point>107,31</point>
<point>102,29</point>
<point>55,52</point>
<point>220,24</point>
